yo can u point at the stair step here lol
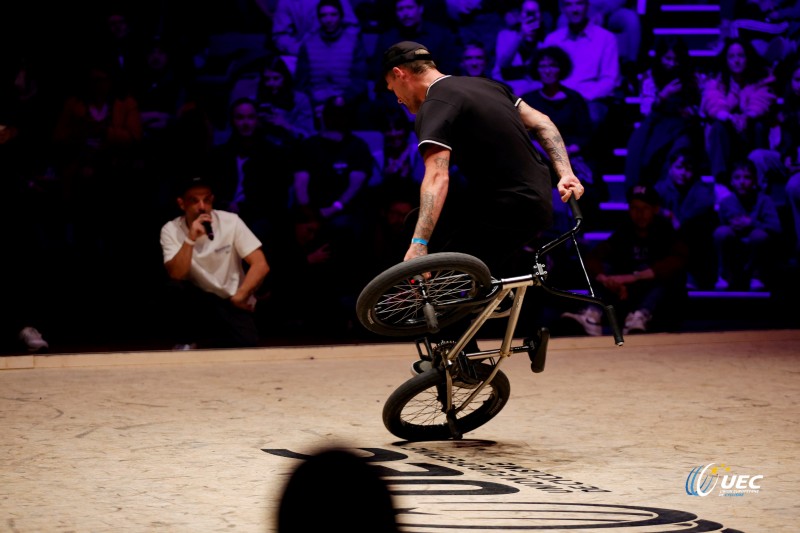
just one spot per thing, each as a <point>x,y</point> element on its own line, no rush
<point>613,206</point>
<point>689,7</point>
<point>686,31</point>
<point>730,294</point>
<point>596,236</point>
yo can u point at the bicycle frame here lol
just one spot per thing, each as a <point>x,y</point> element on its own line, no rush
<point>499,291</point>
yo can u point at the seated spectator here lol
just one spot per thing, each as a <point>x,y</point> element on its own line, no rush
<point>670,100</point>
<point>749,226</point>
<point>476,21</point>
<point>332,61</point>
<point>97,138</point>
<point>474,60</point>
<point>790,149</point>
<point>402,163</point>
<point>689,203</point>
<point>331,182</point>
<point>516,48</point>
<point>390,231</point>
<point>119,44</point>
<point>617,17</point>
<point>251,174</point>
<point>640,269</point>
<point>286,113</point>
<point>772,26</point>
<point>311,265</point>
<point>212,295</point>
<point>568,109</point>
<point>595,57</point>
<point>410,24</point>
<point>161,91</point>
<point>735,101</point>
<point>773,161</point>
<point>294,20</point>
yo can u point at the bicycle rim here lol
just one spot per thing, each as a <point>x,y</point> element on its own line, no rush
<point>414,410</point>
<point>392,304</point>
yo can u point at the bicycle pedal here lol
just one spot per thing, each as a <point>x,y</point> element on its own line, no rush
<point>537,349</point>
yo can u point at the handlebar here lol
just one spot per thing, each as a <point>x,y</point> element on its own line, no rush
<point>570,234</point>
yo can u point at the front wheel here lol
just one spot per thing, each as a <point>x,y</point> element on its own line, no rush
<point>418,296</point>
<point>414,411</point>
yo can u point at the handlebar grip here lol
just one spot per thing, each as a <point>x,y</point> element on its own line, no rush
<point>612,321</point>
<point>573,205</point>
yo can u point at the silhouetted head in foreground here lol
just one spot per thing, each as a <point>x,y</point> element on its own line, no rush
<point>336,490</point>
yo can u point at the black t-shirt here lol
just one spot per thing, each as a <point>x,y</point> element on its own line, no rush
<point>478,121</point>
<point>330,163</point>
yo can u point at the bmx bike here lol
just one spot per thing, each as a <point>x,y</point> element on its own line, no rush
<point>457,390</point>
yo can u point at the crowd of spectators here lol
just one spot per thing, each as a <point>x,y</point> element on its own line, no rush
<point>278,102</point>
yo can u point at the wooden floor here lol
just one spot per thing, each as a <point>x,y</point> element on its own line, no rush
<point>605,438</point>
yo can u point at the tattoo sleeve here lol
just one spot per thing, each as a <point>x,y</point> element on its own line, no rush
<point>553,144</point>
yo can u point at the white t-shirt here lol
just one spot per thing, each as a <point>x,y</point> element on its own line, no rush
<point>216,265</point>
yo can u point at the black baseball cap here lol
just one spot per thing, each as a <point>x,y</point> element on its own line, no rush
<point>403,52</point>
<point>645,193</point>
<point>185,184</point>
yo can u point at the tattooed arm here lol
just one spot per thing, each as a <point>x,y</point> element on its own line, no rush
<point>550,139</point>
<point>432,194</point>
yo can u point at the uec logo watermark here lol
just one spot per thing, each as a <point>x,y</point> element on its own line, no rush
<point>702,481</point>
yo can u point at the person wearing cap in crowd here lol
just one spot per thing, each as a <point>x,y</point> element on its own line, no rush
<point>505,195</point>
<point>205,251</point>
<point>640,269</point>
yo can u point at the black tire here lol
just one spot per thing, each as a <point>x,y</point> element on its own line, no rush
<point>391,304</point>
<point>414,412</point>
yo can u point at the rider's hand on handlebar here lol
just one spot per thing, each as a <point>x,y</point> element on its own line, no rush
<point>569,185</point>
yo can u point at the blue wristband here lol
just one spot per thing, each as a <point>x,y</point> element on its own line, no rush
<point>416,240</point>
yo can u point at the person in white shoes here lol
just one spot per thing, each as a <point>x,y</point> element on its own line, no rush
<point>640,268</point>
<point>205,251</point>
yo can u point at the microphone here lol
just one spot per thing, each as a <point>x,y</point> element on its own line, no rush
<point>209,230</point>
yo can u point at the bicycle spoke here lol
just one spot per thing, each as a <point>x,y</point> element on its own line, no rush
<point>405,302</point>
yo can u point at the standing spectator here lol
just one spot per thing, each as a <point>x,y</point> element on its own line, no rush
<point>640,269</point>
<point>749,225</point>
<point>734,102</point>
<point>332,61</point>
<point>211,293</point>
<point>670,104</point>
<point>516,47</point>
<point>689,203</point>
<point>594,54</point>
